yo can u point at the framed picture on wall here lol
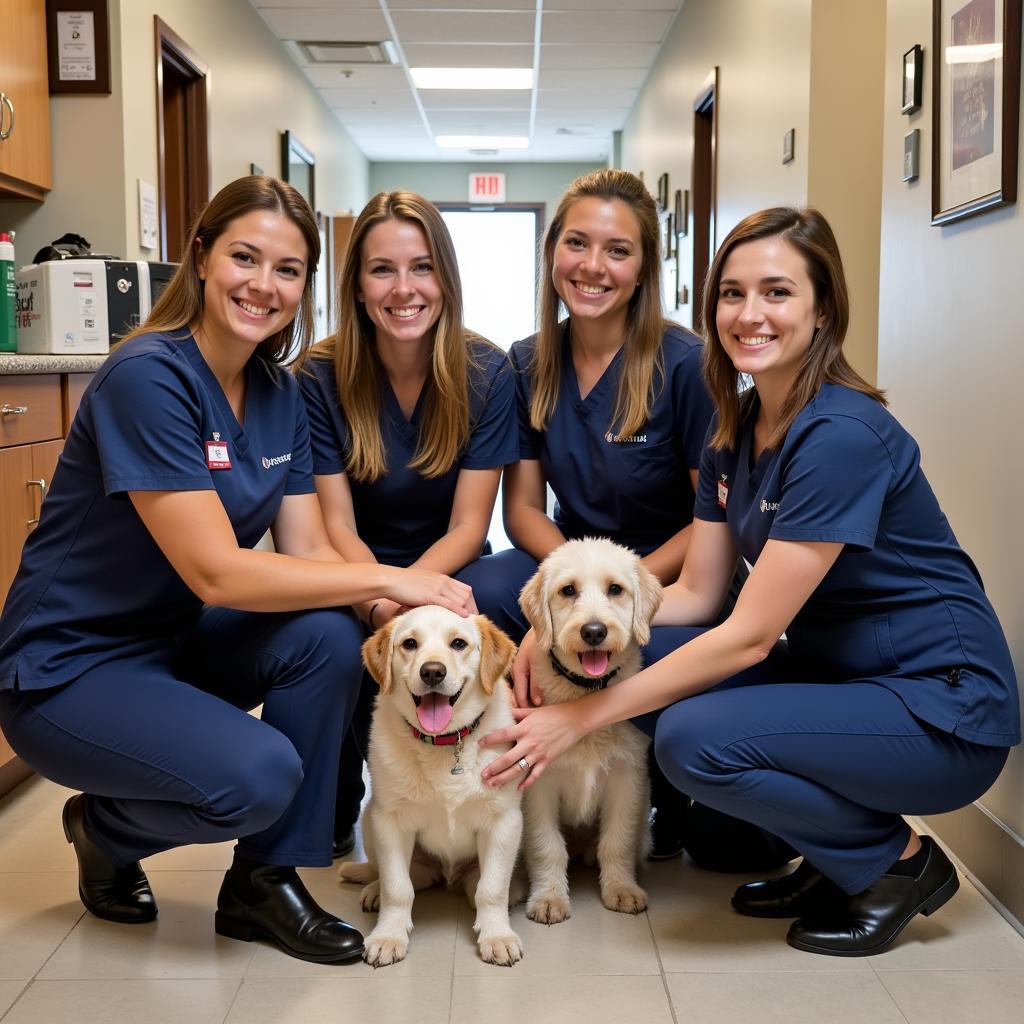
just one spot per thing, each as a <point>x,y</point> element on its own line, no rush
<point>912,79</point>
<point>681,212</point>
<point>298,167</point>
<point>976,106</point>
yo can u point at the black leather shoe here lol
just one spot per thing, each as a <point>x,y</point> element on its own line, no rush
<point>110,892</point>
<point>667,825</point>
<point>801,893</point>
<point>344,845</point>
<point>869,922</point>
<point>267,901</point>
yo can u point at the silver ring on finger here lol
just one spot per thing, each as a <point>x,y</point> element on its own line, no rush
<point>524,764</point>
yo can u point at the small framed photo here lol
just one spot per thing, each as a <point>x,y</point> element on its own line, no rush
<point>911,155</point>
<point>681,213</point>
<point>663,191</point>
<point>668,238</point>
<point>789,146</point>
<point>913,79</point>
<point>255,169</point>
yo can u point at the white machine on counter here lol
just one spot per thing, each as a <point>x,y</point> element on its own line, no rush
<point>82,306</point>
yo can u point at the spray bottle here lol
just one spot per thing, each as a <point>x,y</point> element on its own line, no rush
<point>8,331</point>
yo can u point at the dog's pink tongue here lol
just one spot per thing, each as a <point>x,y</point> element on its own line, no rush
<point>434,712</point>
<point>595,662</point>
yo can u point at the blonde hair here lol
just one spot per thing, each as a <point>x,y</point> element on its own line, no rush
<point>182,300</point>
<point>645,325</point>
<point>810,234</point>
<point>359,372</point>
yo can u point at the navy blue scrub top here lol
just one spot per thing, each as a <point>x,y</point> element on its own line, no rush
<point>402,514</point>
<point>634,490</point>
<point>93,586</point>
<point>903,605</point>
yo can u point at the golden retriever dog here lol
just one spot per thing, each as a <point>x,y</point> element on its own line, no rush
<point>430,818</point>
<point>590,605</point>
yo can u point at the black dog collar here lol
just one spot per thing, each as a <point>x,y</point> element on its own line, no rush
<point>587,682</point>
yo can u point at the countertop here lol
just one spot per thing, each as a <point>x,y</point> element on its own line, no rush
<point>12,362</point>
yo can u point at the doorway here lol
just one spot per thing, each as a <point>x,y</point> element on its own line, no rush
<point>705,198</point>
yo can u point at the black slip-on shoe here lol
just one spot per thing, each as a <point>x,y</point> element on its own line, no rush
<point>802,893</point>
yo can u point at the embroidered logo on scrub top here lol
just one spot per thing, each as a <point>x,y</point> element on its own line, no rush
<point>625,439</point>
<point>769,506</point>
<point>217,456</point>
<point>276,460</point>
<point>723,491</point>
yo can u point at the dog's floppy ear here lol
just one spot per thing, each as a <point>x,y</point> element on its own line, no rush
<point>647,594</point>
<point>377,653</point>
<point>496,653</point>
<point>533,599</point>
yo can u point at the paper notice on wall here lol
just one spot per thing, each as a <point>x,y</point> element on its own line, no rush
<point>147,215</point>
<point>76,46</point>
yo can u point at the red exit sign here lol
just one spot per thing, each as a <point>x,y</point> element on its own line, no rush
<point>486,187</point>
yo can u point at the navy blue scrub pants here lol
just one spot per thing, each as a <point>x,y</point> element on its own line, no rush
<point>168,755</point>
<point>830,767</point>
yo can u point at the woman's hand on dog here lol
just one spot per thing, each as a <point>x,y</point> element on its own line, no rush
<point>540,735</point>
<point>414,587</point>
<point>526,690</point>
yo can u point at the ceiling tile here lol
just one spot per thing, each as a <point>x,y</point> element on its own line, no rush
<point>585,99</point>
<point>611,5</point>
<point>464,26</point>
<point>358,76</point>
<point>598,55</point>
<point>399,119</point>
<point>475,99</point>
<point>447,55</point>
<point>308,23</point>
<point>609,27</point>
<point>385,99</point>
<point>464,122</point>
<point>397,6</point>
<point>585,78</point>
<point>335,5</point>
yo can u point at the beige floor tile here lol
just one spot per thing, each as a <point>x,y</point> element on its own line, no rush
<point>511,998</point>
<point>9,991</point>
<point>838,997</point>
<point>431,946</point>
<point>37,911</point>
<point>966,934</point>
<point>336,1000</point>
<point>696,929</point>
<point>616,943</point>
<point>124,1002</point>
<point>181,943</point>
<point>957,997</point>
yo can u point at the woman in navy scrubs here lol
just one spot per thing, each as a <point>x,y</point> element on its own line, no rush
<point>142,625</point>
<point>412,418</point>
<point>894,692</point>
<point>612,414</point>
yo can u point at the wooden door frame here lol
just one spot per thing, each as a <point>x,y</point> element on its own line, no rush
<point>199,170</point>
<point>704,187</point>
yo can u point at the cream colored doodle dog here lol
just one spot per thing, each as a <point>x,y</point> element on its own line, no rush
<point>430,819</point>
<point>590,605</point>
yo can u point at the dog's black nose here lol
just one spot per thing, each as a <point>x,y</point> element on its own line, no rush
<point>594,633</point>
<point>433,673</point>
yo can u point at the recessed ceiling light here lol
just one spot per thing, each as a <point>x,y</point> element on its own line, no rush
<point>482,141</point>
<point>472,78</point>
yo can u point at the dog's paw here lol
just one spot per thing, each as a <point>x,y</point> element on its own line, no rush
<point>624,899</point>
<point>503,949</point>
<point>549,909</point>
<point>359,872</point>
<point>369,898</point>
<point>384,950</point>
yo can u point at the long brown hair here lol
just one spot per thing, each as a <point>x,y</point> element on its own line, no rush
<point>182,300</point>
<point>359,372</point>
<point>645,325</point>
<point>810,234</point>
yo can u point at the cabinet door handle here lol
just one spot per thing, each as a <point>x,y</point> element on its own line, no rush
<point>41,484</point>
<point>5,101</point>
<point>13,410</point>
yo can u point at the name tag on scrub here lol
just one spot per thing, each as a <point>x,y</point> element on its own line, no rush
<point>217,456</point>
<point>723,493</point>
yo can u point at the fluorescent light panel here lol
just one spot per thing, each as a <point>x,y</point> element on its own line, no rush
<point>482,141</point>
<point>472,78</point>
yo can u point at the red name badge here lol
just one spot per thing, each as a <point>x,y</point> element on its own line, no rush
<point>217,453</point>
<point>723,493</point>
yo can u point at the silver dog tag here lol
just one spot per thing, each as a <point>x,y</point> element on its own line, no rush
<point>457,768</point>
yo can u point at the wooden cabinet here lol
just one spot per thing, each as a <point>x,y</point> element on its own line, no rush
<point>35,413</point>
<point>25,160</point>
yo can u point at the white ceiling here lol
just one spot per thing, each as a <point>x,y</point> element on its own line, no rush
<point>590,59</point>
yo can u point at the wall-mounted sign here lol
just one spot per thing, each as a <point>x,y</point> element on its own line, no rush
<point>486,187</point>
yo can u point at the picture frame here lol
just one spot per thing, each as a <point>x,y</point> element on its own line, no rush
<point>912,79</point>
<point>789,146</point>
<point>663,192</point>
<point>255,169</point>
<point>668,236</point>
<point>911,155</point>
<point>298,167</point>
<point>681,213</point>
<point>78,47</point>
<point>975,106</point>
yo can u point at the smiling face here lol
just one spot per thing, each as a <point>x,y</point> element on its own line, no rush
<point>398,284</point>
<point>597,259</point>
<point>766,312</point>
<point>254,274</point>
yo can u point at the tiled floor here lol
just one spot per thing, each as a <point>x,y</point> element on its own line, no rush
<point>690,960</point>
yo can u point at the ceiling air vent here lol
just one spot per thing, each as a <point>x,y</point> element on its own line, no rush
<point>348,53</point>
